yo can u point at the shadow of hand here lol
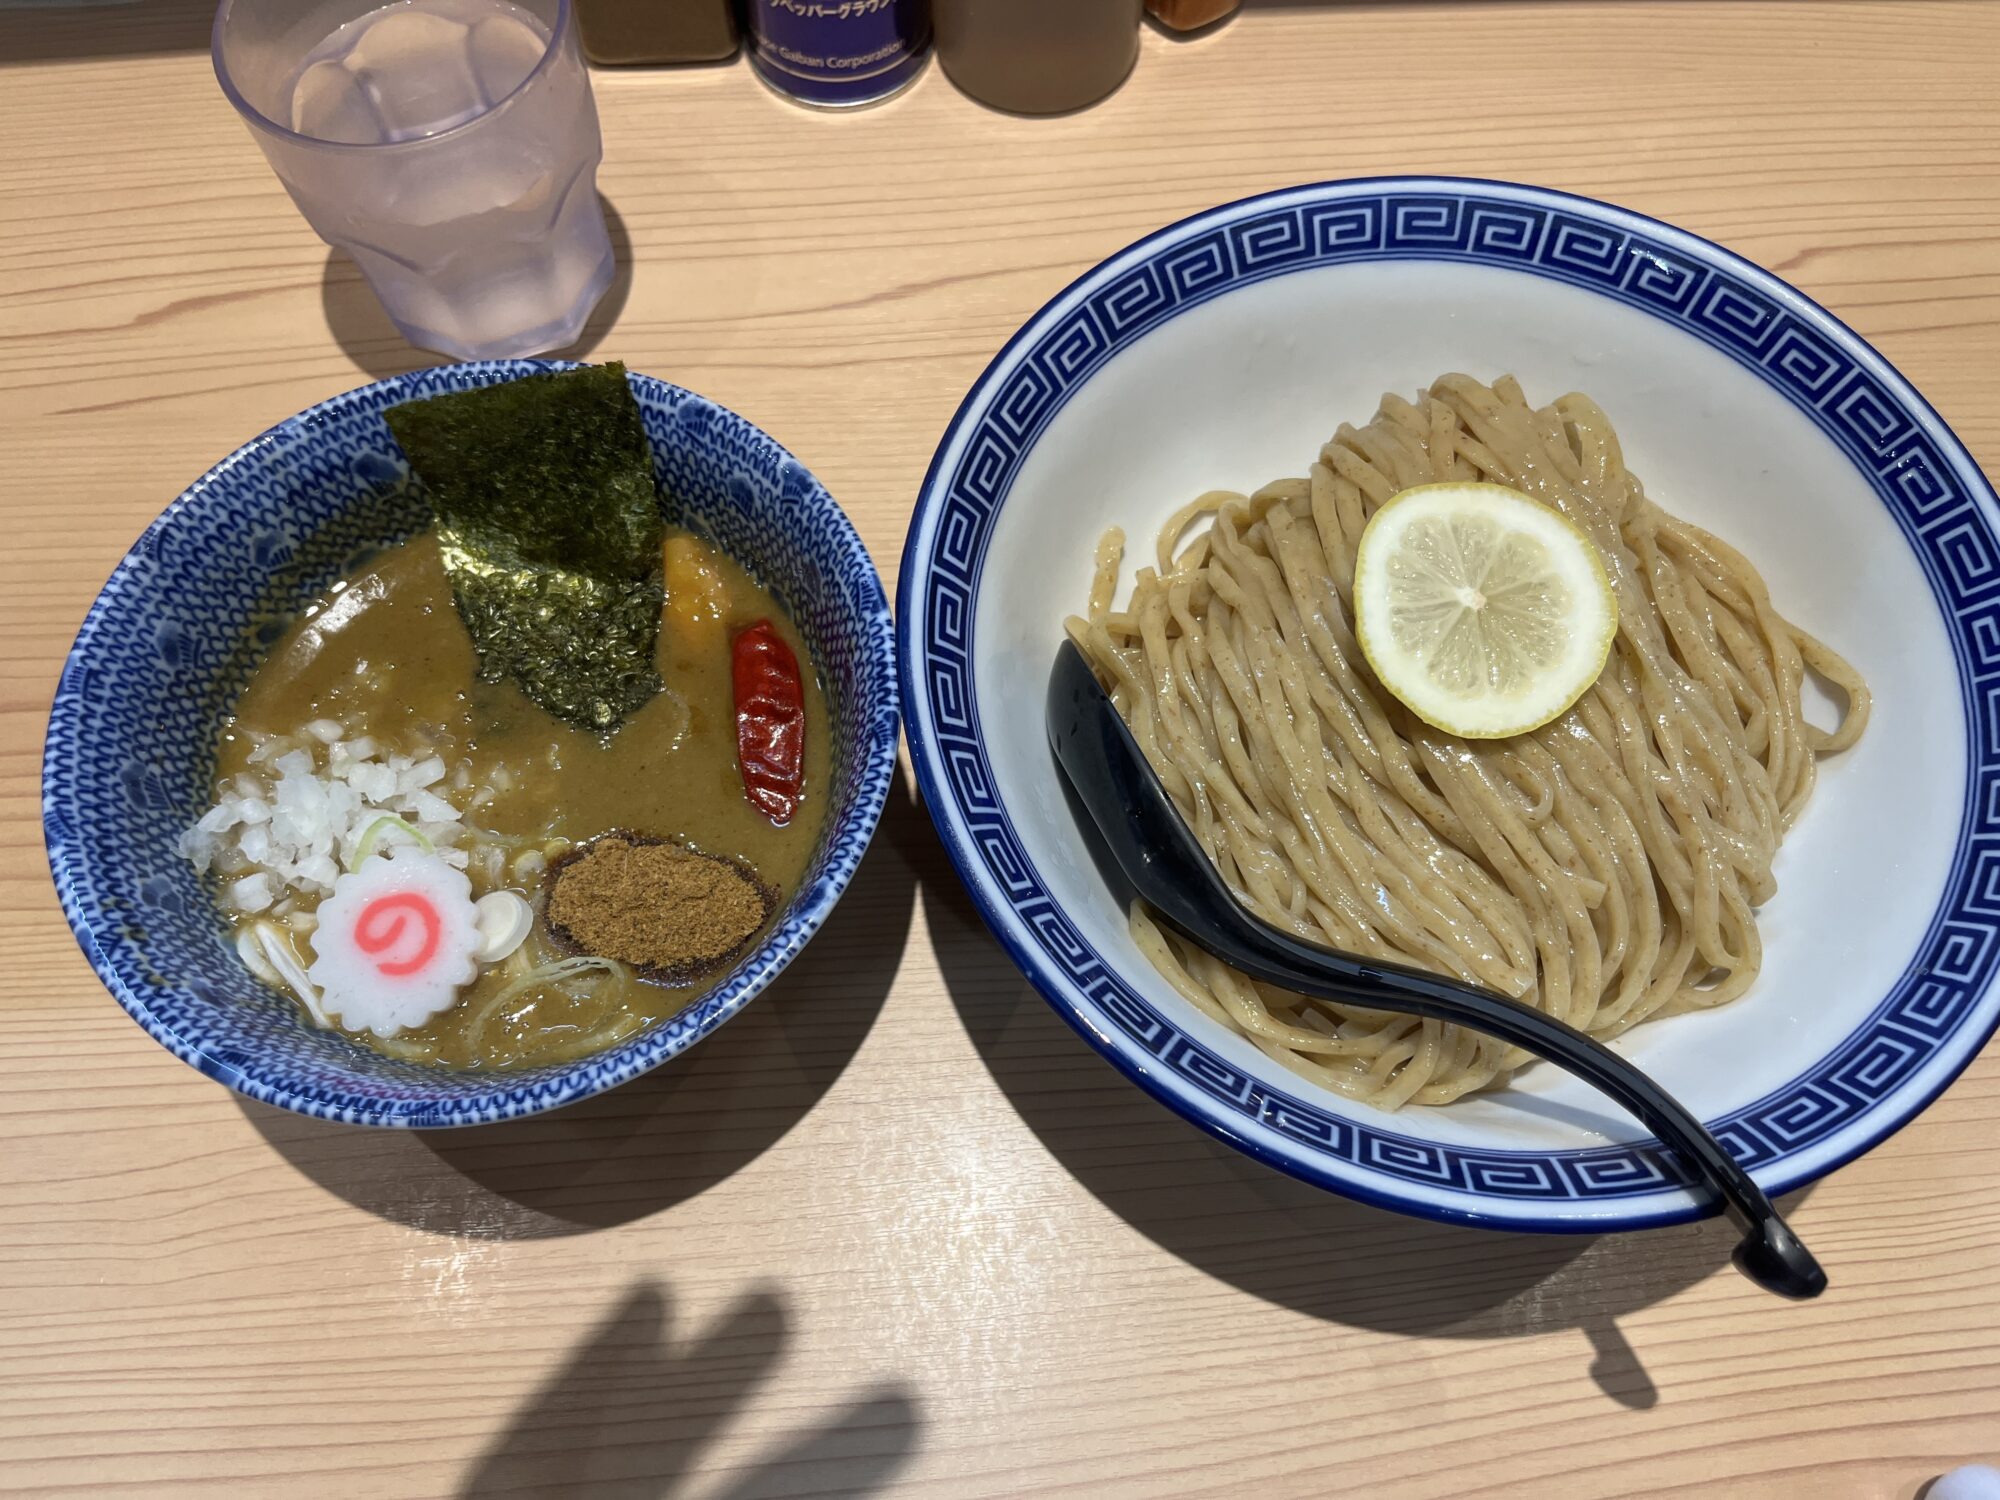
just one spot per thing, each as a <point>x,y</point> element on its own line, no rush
<point>631,1409</point>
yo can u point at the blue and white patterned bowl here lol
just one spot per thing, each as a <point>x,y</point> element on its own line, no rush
<point>163,653</point>
<point>1220,353</point>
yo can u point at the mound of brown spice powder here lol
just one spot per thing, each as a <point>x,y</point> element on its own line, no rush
<point>671,912</point>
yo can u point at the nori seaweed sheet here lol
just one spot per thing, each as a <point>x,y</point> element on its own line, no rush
<point>550,529</point>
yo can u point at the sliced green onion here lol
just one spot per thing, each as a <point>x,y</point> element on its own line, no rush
<point>389,823</point>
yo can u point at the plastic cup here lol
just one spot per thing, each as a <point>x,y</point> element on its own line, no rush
<point>450,147</point>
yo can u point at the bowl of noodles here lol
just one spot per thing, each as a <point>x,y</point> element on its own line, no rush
<point>1755,855</point>
<point>420,766</point>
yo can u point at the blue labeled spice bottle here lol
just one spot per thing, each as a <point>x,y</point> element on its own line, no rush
<point>839,53</point>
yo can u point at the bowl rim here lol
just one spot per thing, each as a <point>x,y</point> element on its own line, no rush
<point>506,1097</point>
<point>1670,1197</point>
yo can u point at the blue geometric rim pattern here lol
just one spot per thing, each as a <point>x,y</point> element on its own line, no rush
<point>1917,467</point>
<point>162,652</point>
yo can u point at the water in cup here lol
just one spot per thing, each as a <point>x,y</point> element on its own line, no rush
<point>451,150</point>
<point>413,69</point>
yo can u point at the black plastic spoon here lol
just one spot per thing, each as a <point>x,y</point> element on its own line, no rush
<point>1150,842</point>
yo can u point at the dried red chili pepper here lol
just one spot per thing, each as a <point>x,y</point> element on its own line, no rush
<point>770,721</point>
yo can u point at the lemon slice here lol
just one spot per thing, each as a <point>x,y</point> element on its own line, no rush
<point>1484,612</point>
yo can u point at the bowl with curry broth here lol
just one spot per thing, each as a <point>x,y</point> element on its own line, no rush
<point>470,743</point>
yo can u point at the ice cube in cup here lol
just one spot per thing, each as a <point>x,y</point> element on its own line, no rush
<point>329,104</point>
<point>416,68</point>
<point>505,49</point>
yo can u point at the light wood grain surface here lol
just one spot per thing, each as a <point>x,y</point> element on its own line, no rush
<point>894,1231</point>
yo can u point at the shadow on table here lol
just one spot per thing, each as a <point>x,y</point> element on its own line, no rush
<point>372,342</point>
<point>125,28</point>
<point>633,1405</point>
<point>1278,1238</point>
<point>664,1137</point>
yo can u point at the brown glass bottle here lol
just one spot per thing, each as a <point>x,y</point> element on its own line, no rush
<point>1037,57</point>
<point>656,31</point>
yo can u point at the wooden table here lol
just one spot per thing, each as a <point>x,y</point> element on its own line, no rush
<point>895,1230</point>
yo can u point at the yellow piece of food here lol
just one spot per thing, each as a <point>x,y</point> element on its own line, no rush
<point>1486,613</point>
<point>697,592</point>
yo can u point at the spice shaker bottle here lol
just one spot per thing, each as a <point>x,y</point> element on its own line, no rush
<point>656,31</point>
<point>1038,57</point>
<point>1190,15</point>
<point>838,53</point>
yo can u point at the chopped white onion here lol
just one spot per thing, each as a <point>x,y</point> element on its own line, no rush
<point>423,773</point>
<point>289,827</point>
<point>252,892</point>
<point>428,807</point>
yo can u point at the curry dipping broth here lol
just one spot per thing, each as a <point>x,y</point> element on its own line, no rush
<point>384,653</point>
